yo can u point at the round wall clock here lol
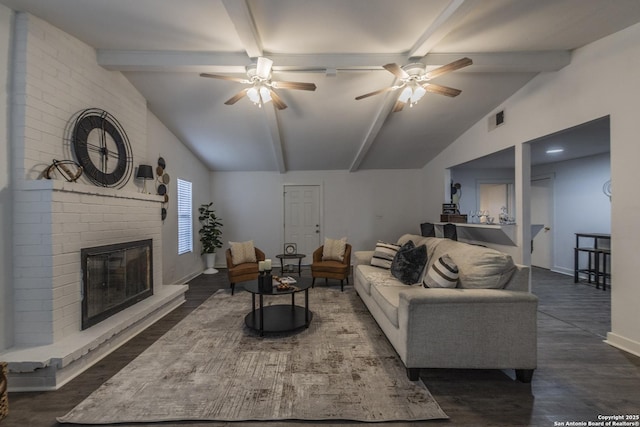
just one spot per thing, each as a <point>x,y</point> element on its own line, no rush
<point>102,148</point>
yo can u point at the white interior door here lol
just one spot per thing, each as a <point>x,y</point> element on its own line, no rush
<point>302,218</point>
<point>542,213</point>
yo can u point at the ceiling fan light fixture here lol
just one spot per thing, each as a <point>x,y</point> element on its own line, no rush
<point>254,95</point>
<point>418,93</point>
<point>405,95</point>
<point>265,95</point>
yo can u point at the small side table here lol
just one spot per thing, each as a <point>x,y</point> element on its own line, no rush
<point>299,257</point>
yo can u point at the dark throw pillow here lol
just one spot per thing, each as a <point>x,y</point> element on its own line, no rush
<point>409,262</point>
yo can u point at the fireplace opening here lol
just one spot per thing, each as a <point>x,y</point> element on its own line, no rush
<point>115,277</point>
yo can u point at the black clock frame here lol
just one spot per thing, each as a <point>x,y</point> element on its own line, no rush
<point>92,119</point>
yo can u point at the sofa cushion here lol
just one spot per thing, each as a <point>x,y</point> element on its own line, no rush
<point>443,273</point>
<point>409,262</point>
<point>384,254</point>
<point>334,249</point>
<point>479,267</point>
<point>388,299</point>
<point>242,252</point>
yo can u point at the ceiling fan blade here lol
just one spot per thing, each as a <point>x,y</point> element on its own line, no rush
<point>217,76</point>
<point>442,90</point>
<point>398,107</point>
<point>366,95</point>
<point>263,68</point>
<point>396,70</point>
<point>455,65</point>
<point>237,97</point>
<point>277,101</point>
<point>294,85</point>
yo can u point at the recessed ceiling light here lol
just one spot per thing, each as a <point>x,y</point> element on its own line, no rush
<point>555,150</point>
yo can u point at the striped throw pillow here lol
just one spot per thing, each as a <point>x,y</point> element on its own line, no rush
<point>442,274</point>
<point>384,254</point>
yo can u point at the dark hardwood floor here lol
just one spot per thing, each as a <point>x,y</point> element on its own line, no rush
<point>578,378</point>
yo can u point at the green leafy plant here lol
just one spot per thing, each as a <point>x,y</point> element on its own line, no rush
<point>211,229</point>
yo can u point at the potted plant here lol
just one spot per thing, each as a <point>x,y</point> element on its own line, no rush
<point>209,235</point>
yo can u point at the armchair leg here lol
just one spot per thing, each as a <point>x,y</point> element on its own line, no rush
<point>313,282</point>
<point>341,285</point>
<point>233,288</point>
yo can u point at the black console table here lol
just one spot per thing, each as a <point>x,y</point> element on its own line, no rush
<point>594,254</point>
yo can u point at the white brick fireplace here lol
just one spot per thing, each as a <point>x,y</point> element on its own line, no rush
<point>54,77</point>
<point>54,221</point>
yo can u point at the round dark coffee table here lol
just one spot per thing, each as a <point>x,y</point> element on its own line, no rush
<point>281,317</point>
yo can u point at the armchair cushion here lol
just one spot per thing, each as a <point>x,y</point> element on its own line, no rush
<point>242,252</point>
<point>334,249</point>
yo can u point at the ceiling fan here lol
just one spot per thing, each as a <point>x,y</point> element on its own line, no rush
<point>416,82</point>
<point>261,90</point>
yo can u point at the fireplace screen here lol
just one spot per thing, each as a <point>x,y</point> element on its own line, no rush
<point>115,277</point>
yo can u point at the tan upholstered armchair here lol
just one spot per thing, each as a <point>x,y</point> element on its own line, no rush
<point>331,269</point>
<point>242,272</point>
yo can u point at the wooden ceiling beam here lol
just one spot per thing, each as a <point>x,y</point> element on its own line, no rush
<point>242,19</point>
<point>184,61</point>
<point>443,25</point>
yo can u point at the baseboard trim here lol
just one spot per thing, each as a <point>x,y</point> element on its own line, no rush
<point>622,343</point>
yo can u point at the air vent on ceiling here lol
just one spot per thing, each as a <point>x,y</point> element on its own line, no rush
<point>496,120</point>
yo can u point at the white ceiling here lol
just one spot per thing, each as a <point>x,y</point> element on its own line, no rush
<point>161,46</point>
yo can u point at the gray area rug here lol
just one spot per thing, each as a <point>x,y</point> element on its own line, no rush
<point>211,367</point>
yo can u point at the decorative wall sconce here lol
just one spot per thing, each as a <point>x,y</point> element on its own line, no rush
<point>145,172</point>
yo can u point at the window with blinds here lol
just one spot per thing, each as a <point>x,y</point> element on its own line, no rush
<point>185,218</point>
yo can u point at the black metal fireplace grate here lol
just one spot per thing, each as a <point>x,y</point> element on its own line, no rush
<point>115,277</point>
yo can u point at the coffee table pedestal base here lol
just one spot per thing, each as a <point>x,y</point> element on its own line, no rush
<point>279,318</point>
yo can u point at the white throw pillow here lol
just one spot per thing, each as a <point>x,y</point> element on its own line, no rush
<point>443,273</point>
<point>334,249</point>
<point>242,252</point>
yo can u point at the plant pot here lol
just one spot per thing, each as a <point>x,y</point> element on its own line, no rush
<point>210,260</point>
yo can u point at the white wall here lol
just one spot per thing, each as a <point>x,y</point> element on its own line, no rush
<point>556,101</point>
<point>6,312</point>
<point>365,206</point>
<point>181,163</point>
<point>580,206</point>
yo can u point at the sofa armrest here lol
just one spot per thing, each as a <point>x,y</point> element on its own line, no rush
<point>469,328</point>
<point>362,257</point>
<point>434,296</point>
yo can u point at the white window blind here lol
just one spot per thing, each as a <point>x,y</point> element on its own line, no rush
<point>185,218</point>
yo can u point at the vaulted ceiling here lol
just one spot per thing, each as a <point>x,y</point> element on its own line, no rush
<point>162,46</point>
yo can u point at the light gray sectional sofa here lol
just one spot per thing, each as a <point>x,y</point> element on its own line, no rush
<point>488,321</point>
